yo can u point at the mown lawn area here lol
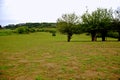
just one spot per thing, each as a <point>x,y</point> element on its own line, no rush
<point>40,56</point>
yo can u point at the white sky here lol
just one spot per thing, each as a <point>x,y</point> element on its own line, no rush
<point>21,11</point>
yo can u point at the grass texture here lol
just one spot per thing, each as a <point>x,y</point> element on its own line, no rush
<point>40,56</point>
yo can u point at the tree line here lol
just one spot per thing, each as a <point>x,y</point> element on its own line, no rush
<point>31,25</point>
<point>99,22</point>
<point>25,28</point>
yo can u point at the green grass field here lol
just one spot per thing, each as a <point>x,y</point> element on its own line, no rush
<point>40,56</point>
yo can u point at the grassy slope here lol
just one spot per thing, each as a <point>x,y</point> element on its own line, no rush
<point>41,56</point>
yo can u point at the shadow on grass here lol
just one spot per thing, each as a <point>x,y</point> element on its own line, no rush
<point>94,41</point>
<point>90,41</point>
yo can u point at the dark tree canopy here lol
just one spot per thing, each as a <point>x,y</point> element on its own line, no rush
<point>0,27</point>
<point>97,21</point>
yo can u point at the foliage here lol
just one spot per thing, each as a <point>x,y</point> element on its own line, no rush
<point>32,30</point>
<point>5,32</point>
<point>104,17</point>
<point>115,25</point>
<point>22,30</point>
<point>117,13</point>
<point>0,27</point>
<point>51,30</point>
<point>97,21</point>
<point>10,26</point>
<point>116,22</point>
<point>68,24</point>
<point>53,33</point>
<point>31,25</point>
<point>112,34</point>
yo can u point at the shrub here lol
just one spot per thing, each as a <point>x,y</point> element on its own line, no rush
<point>53,32</point>
<point>110,34</point>
<point>5,32</point>
<point>113,34</point>
<point>32,30</point>
<point>22,30</point>
<point>41,30</point>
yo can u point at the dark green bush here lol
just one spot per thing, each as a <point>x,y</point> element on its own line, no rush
<point>109,34</point>
<point>113,34</point>
<point>32,30</point>
<point>22,30</point>
<point>53,32</point>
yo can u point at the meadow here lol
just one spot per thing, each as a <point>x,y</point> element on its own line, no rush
<point>41,56</point>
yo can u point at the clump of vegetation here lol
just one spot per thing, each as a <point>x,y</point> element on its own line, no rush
<point>22,30</point>
<point>113,34</point>
<point>5,32</point>
<point>32,30</point>
<point>97,22</point>
<point>53,33</point>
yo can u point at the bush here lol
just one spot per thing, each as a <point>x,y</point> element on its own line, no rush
<point>40,30</point>
<point>22,30</point>
<point>53,32</point>
<point>32,30</point>
<point>113,34</point>
<point>110,34</point>
<point>5,32</point>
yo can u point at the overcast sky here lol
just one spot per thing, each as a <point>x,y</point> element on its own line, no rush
<point>21,11</point>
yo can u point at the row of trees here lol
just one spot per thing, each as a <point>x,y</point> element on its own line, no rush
<point>100,21</point>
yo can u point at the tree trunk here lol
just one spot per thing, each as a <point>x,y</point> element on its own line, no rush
<point>119,36</point>
<point>69,37</point>
<point>103,37</point>
<point>93,35</point>
<point>103,33</point>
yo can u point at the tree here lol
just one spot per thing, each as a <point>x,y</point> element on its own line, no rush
<point>116,22</point>
<point>68,24</point>
<point>117,13</point>
<point>104,20</point>
<point>0,27</point>
<point>97,21</point>
<point>89,24</point>
<point>116,27</point>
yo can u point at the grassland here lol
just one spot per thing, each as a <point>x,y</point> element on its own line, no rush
<point>40,56</point>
